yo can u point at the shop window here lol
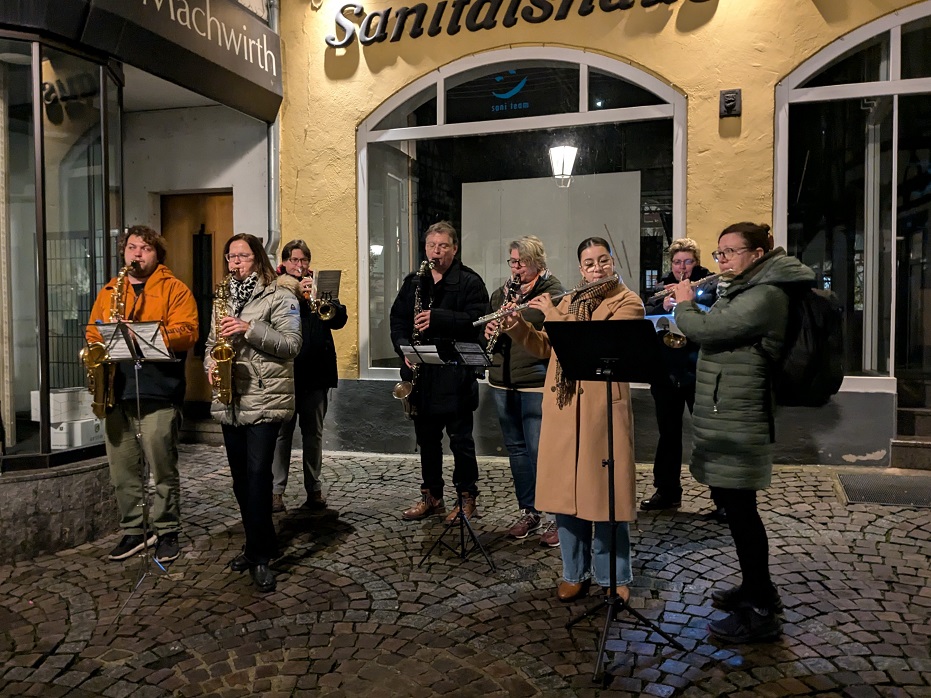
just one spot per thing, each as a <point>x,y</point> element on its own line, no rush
<point>511,91</point>
<point>840,215</point>
<point>497,187</point>
<point>865,63</point>
<point>19,343</point>
<point>606,91</point>
<point>916,58</point>
<point>419,110</point>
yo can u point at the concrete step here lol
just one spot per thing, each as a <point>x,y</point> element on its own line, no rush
<point>913,421</point>
<point>911,452</point>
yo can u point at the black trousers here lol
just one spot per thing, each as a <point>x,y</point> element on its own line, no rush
<point>751,543</point>
<point>250,449</point>
<point>670,400</point>
<point>429,430</point>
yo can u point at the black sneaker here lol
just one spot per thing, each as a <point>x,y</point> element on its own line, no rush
<point>733,598</point>
<point>745,625</point>
<point>167,548</point>
<point>130,545</point>
<point>661,500</point>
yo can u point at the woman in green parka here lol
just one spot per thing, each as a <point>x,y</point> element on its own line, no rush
<point>733,420</point>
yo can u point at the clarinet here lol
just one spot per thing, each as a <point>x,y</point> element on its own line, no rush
<point>511,295</point>
<point>402,390</point>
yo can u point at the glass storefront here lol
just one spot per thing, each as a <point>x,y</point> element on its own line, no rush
<point>494,180</point>
<point>61,112</point>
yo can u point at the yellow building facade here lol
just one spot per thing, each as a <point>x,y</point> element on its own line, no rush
<point>350,64</point>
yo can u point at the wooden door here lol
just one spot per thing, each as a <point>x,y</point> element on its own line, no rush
<point>186,219</point>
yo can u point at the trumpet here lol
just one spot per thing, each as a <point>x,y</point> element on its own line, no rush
<point>321,307</point>
<point>720,276</point>
<point>505,312</point>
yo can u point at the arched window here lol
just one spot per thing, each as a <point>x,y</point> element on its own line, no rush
<point>470,143</point>
<point>853,189</point>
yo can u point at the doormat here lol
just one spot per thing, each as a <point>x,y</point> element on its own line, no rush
<point>898,490</point>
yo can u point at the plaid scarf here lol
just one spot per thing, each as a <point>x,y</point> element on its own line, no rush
<point>582,306</point>
<point>241,291</point>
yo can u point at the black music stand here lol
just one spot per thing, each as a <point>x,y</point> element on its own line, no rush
<point>138,342</point>
<point>610,351</point>
<point>450,353</point>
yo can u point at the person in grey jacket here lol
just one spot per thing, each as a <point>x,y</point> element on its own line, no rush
<point>517,377</point>
<point>740,338</point>
<point>264,327</point>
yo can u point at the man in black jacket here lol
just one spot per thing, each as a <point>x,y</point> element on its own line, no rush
<point>314,375</point>
<point>452,297</point>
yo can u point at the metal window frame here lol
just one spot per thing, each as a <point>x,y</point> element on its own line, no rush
<point>675,108</point>
<point>788,92</point>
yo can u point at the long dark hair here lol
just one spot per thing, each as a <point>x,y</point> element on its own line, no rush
<point>265,269</point>
<point>593,241</point>
<point>756,236</point>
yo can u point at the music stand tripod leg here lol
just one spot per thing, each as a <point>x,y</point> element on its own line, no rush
<point>145,560</point>
<point>464,525</point>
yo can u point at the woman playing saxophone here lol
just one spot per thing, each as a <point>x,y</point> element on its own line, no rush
<point>263,326</point>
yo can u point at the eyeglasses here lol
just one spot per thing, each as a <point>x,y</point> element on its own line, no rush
<point>727,253</point>
<point>683,262</point>
<point>601,263</point>
<point>299,260</point>
<point>442,246</point>
<point>238,257</point>
<point>516,263</point>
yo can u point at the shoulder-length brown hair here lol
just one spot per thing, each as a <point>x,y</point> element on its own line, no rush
<point>265,269</point>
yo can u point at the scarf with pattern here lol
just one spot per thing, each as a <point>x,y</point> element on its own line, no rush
<point>241,291</point>
<point>583,304</point>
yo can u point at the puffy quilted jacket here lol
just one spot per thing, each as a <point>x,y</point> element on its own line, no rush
<point>263,370</point>
<point>741,335</point>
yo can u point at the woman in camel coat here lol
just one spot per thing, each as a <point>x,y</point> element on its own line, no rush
<point>571,480</point>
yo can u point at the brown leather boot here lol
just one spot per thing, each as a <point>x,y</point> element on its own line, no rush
<point>468,506</point>
<point>427,506</point>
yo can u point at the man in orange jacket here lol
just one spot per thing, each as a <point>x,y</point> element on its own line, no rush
<point>150,292</point>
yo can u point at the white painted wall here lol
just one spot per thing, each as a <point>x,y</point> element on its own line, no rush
<point>195,150</point>
<point>494,213</point>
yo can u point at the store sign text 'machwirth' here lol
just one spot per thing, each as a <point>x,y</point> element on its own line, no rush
<point>390,25</point>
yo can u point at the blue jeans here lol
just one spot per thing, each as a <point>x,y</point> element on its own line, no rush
<point>520,415</point>
<point>582,558</point>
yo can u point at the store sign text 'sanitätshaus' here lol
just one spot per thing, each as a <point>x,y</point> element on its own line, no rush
<point>453,15</point>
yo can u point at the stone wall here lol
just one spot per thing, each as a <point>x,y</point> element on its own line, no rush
<point>43,511</point>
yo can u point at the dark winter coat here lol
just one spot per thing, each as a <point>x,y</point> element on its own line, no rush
<point>455,302</point>
<point>514,366</point>
<point>740,338</point>
<point>315,366</point>
<point>679,363</point>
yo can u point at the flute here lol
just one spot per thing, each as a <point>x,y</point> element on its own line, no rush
<point>505,312</point>
<point>701,282</point>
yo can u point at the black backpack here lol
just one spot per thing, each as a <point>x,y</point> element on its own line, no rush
<point>811,367</point>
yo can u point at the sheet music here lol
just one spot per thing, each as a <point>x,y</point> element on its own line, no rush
<point>472,354</point>
<point>151,341</point>
<point>423,354</point>
<point>147,340</point>
<point>327,283</point>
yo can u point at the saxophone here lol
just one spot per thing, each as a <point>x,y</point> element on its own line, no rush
<point>511,294</point>
<point>222,352</point>
<point>402,391</point>
<point>101,374</point>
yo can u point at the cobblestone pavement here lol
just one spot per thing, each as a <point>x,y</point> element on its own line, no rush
<point>354,614</point>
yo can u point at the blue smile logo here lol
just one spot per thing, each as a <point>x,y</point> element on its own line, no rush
<point>510,93</point>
